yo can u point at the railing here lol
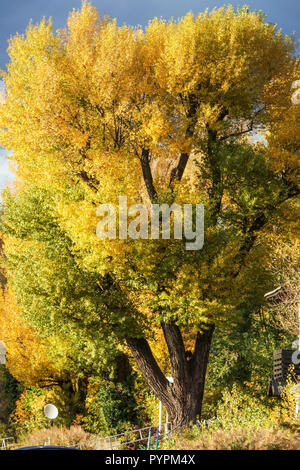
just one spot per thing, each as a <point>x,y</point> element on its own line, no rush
<point>149,435</point>
<point>4,445</point>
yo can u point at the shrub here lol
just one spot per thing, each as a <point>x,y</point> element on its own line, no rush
<point>4,431</point>
<point>29,415</point>
<point>110,409</point>
<point>242,438</point>
<point>240,409</point>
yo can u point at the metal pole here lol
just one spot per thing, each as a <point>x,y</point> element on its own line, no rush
<point>156,443</point>
<point>167,424</point>
<point>160,416</point>
<point>149,439</point>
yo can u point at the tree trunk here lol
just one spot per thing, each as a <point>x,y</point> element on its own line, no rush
<point>183,398</point>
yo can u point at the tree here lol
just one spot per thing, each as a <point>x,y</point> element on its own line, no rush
<point>26,356</point>
<point>284,310</point>
<point>284,149</point>
<point>97,111</point>
<point>46,346</point>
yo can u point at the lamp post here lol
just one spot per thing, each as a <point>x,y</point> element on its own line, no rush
<point>51,412</point>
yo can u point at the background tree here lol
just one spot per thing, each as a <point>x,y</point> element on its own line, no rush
<point>25,353</point>
<point>90,113</point>
<point>284,310</point>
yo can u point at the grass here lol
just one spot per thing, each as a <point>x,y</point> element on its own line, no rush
<point>235,439</point>
<point>58,436</point>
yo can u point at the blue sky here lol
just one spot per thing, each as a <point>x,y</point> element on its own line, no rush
<point>15,15</point>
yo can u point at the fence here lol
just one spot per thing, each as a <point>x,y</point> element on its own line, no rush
<point>150,435</point>
<point>4,444</point>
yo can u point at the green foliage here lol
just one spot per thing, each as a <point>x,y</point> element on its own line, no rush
<point>29,415</point>
<point>11,390</point>
<point>239,409</point>
<point>242,353</point>
<point>112,409</point>
<point>58,298</point>
<point>4,430</point>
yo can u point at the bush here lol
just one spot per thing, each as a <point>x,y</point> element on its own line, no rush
<point>28,414</point>
<point>4,430</point>
<point>240,409</point>
<point>110,409</point>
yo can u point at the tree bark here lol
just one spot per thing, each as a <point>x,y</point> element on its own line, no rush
<point>147,174</point>
<point>182,398</point>
<point>177,172</point>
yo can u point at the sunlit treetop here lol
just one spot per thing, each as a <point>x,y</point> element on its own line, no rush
<point>98,110</point>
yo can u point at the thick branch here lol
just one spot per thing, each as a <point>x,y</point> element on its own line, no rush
<point>249,126</point>
<point>177,352</point>
<point>93,183</point>
<point>147,174</point>
<point>201,351</point>
<point>177,172</point>
<point>146,362</point>
<point>237,134</point>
